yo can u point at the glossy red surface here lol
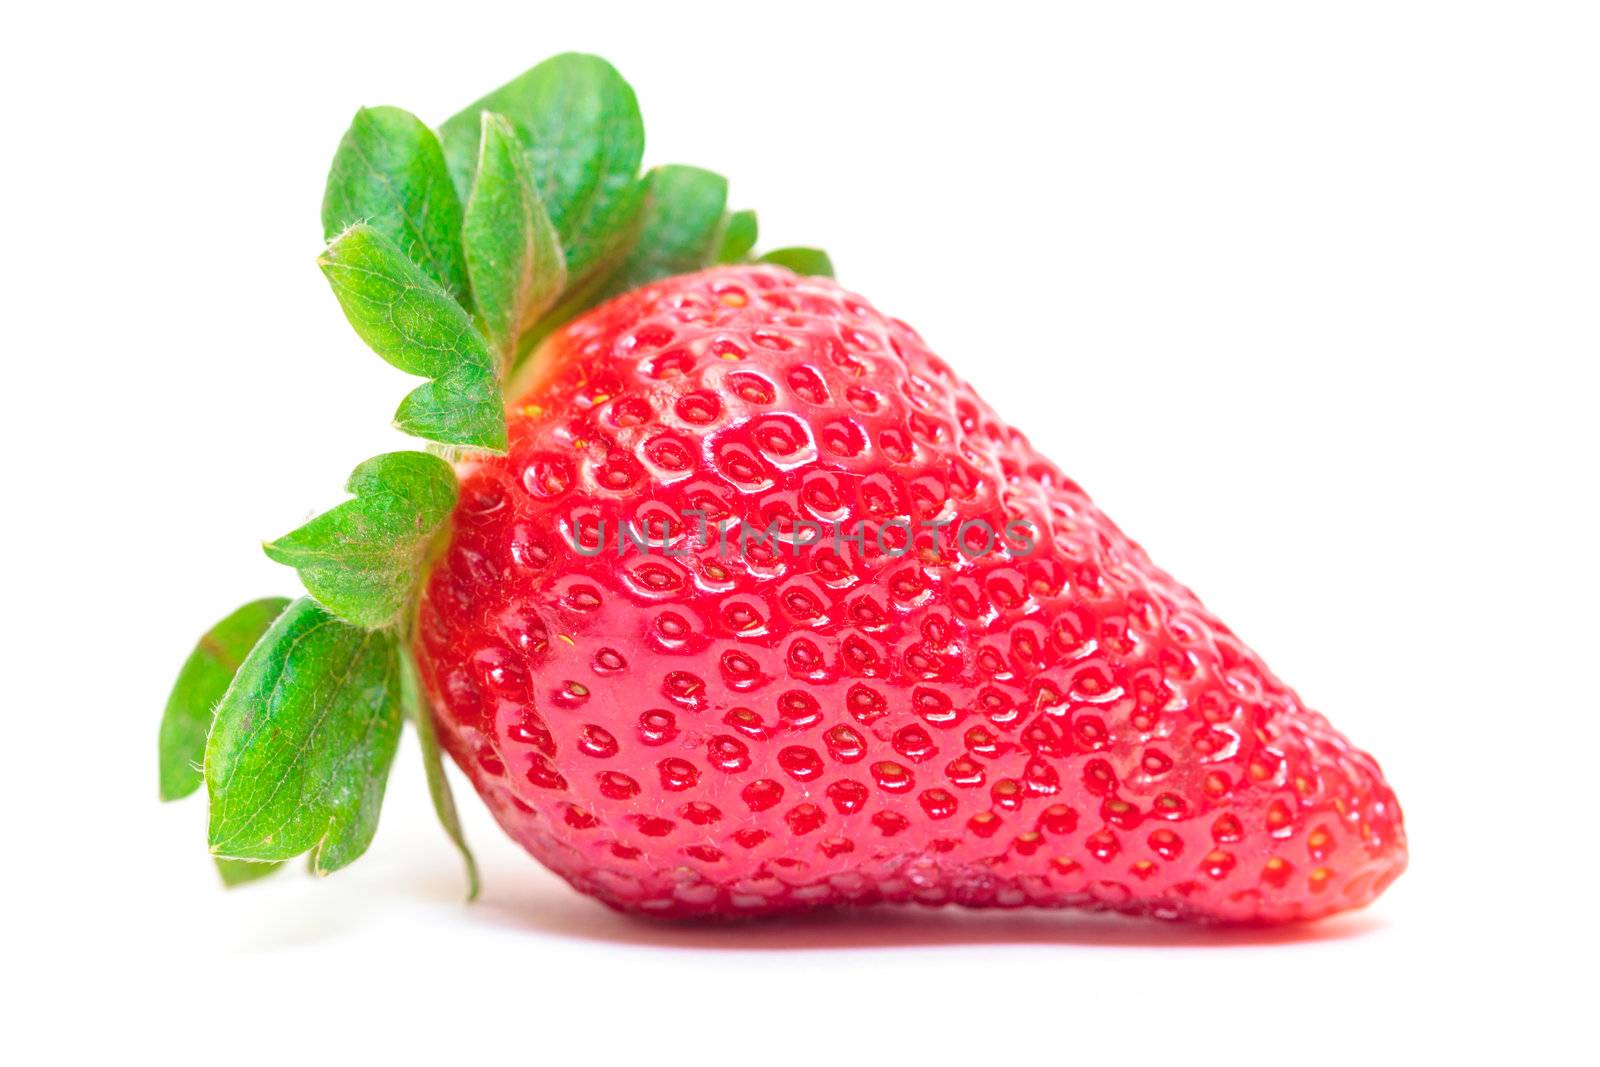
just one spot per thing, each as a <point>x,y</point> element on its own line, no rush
<point>741,730</point>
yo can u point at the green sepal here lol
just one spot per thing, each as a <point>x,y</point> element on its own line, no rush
<point>803,261</point>
<point>579,123</point>
<point>235,873</point>
<point>413,323</point>
<point>203,679</point>
<point>360,560</point>
<point>303,740</point>
<point>682,226</point>
<point>739,235</point>
<point>444,802</point>
<point>514,256</point>
<point>389,172</point>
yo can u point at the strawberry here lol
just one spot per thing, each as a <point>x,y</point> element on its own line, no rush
<point>745,603</point>
<point>683,721</point>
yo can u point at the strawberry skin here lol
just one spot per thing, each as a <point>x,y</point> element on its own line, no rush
<point>1036,715</point>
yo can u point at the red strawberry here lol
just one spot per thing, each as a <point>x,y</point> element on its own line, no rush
<point>749,605</point>
<point>1037,716</point>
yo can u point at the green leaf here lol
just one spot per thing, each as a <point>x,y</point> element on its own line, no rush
<point>202,681</point>
<point>682,225</point>
<point>241,872</point>
<point>803,261</point>
<point>738,237</point>
<point>444,803</point>
<point>409,320</point>
<point>303,740</point>
<point>513,254</point>
<point>361,559</point>
<point>389,173</point>
<point>579,123</point>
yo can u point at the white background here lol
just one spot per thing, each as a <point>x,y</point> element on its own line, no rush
<point>1306,296</point>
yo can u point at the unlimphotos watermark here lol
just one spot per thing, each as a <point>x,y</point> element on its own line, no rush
<point>973,538</point>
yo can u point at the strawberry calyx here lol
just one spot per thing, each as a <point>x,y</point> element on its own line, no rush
<point>453,254</point>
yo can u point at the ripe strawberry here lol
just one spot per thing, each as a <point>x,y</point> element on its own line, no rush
<point>749,604</point>
<point>695,728</point>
